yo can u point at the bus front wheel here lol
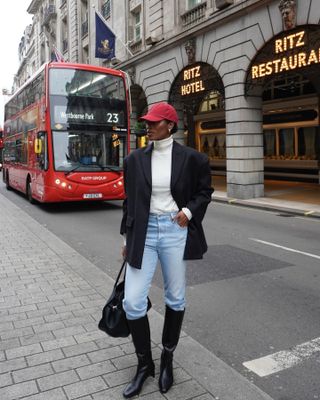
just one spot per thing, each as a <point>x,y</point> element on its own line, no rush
<point>29,192</point>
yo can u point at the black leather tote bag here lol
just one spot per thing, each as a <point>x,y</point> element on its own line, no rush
<point>114,321</point>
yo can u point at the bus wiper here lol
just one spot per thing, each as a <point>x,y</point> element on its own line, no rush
<point>73,169</point>
<point>107,167</point>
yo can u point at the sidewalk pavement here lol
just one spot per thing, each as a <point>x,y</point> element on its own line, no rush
<point>288,197</point>
<point>51,349</point>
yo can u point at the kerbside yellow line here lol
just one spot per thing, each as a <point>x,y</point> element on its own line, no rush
<point>286,248</point>
<point>308,213</point>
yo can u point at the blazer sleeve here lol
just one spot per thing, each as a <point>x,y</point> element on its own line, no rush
<point>201,197</point>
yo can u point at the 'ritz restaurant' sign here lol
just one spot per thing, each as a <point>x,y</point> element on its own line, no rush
<point>291,53</point>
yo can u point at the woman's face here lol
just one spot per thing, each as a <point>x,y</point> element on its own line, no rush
<point>159,130</point>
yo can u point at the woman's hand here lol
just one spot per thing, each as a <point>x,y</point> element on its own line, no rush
<point>181,219</point>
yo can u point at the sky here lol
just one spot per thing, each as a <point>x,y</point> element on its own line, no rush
<point>14,19</point>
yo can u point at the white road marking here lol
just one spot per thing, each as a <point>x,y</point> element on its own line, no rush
<point>286,248</point>
<point>281,360</point>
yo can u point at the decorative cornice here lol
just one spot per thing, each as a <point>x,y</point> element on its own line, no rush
<point>34,6</point>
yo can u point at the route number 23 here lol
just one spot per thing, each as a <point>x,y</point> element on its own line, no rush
<point>113,117</point>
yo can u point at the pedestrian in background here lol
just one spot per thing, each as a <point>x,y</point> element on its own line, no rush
<point>168,189</point>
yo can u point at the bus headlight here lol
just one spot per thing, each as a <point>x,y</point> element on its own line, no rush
<point>63,184</point>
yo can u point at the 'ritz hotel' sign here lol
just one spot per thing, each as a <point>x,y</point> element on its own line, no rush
<point>192,81</point>
<point>290,62</point>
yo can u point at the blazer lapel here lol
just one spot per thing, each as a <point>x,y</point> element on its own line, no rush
<point>178,156</point>
<point>146,163</point>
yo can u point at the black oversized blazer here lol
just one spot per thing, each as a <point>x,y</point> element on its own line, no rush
<point>190,187</point>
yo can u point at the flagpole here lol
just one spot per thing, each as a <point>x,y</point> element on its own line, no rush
<point>103,19</point>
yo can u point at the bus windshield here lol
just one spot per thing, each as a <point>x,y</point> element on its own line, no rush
<point>81,98</point>
<point>88,151</point>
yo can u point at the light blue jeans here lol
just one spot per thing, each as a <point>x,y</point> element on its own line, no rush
<point>165,241</point>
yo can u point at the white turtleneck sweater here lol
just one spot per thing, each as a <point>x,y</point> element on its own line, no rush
<point>161,197</point>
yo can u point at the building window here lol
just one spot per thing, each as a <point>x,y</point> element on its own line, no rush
<point>84,18</point>
<point>64,34</point>
<point>214,145</point>
<point>106,9</point>
<point>85,55</point>
<point>192,3</point>
<point>212,102</point>
<point>137,26</point>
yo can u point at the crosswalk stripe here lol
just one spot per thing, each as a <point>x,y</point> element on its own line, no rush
<point>281,360</point>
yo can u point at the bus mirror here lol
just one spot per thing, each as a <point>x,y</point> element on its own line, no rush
<point>41,134</point>
<point>37,146</point>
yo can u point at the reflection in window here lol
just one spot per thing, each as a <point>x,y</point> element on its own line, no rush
<point>214,145</point>
<point>308,143</point>
<point>286,143</point>
<point>21,149</point>
<point>286,87</point>
<point>66,82</point>
<point>193,3</point>
<point>212,102</point>
<point>269,141</point>
<point>83,151</point>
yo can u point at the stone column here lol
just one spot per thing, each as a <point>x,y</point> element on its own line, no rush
<point>73,21</point>
<point>244,146</point>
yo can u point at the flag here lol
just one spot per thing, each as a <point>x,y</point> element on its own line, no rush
<point>105,39</point>
<point>56,55</point>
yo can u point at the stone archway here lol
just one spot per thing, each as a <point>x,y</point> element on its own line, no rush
<point>294,52</point>
<point>189,88</point>
<point>284,76</point>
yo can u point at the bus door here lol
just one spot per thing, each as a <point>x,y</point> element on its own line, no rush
<point>41,162</point>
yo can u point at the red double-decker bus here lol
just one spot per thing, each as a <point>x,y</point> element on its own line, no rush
<point>1,147</point>
<point>66,133</point>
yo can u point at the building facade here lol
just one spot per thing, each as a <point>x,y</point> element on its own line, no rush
<point>243,75</point>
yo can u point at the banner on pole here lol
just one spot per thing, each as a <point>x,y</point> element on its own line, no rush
<point>105,39</point>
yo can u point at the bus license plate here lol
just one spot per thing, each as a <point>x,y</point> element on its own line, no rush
<point>92,196</point>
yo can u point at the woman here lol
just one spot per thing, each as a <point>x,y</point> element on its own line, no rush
<point>168,189</point>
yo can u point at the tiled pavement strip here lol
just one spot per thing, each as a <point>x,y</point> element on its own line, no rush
<point>50,349</point>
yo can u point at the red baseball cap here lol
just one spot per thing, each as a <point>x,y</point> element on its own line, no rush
<point>160,111</point>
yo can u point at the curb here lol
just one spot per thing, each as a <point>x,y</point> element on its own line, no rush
<point>260,204</point>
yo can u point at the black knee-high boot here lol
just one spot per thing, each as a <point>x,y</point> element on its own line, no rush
<point>140,332</point>
<point>170,337</point>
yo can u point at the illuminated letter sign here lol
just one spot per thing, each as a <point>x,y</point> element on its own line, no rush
<point>289,56</point>
<point>192,82</point>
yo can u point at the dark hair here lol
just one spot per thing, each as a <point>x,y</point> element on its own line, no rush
<point>175,127</point>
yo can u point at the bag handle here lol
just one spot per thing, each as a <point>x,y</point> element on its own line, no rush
<point>120,272</point>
